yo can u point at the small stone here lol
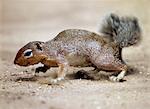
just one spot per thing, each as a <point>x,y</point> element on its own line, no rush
<point>3,87</point>
<point>25,71</point>
<point>15,67</point>
<point>21,73</point>
<point>40,87</point>
<point>33,91</point>
<point>13,74</point>
<point>140,72</point>
<point>19,81</point>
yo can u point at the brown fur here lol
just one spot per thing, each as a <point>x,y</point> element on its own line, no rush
<point>75,47</point>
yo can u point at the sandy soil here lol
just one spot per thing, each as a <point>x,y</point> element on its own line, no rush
<point>24,21</point>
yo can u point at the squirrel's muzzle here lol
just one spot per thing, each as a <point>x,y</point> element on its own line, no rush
<point>15,61</point>
<point>20,62</point>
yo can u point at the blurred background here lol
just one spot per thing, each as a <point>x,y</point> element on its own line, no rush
<point>22,21</point>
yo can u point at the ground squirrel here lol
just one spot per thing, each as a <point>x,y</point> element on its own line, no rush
<point>77,47</point>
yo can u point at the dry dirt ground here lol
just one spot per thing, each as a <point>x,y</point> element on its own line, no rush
<point>24,21</point>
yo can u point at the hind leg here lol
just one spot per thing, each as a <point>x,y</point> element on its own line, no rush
<point>110,63</point>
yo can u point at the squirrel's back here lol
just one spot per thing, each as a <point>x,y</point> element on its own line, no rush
<point>125,31</point>
<point>77,36</point>
<point>71,34</point>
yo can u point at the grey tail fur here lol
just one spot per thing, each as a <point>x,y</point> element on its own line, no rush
<point>124,31</point>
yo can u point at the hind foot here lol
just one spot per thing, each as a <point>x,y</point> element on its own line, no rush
<point>118,78</point>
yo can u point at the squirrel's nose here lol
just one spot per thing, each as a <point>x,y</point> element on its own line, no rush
<point>15,61</point>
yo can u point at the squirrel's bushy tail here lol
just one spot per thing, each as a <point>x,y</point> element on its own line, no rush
<point>125,31</point>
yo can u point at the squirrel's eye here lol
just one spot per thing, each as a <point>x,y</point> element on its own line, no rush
<point>28,53</point>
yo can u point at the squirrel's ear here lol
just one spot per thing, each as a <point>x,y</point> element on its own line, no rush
<point>115,21</point>
<point>39,46</point>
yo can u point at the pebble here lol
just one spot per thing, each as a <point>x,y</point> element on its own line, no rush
<point>148,73</point>
<point>13,74</point>
<point>25,71</point>
<point>33,91</point>
<point>140,72</point>
<point>15,67</point>
<point>3,87</point>
<point>19,81</point>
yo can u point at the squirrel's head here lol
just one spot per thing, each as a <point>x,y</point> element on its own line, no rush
<point>30,54</point>
<point>125,31</point>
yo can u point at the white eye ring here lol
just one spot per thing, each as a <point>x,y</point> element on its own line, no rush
<point>28,53</point>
